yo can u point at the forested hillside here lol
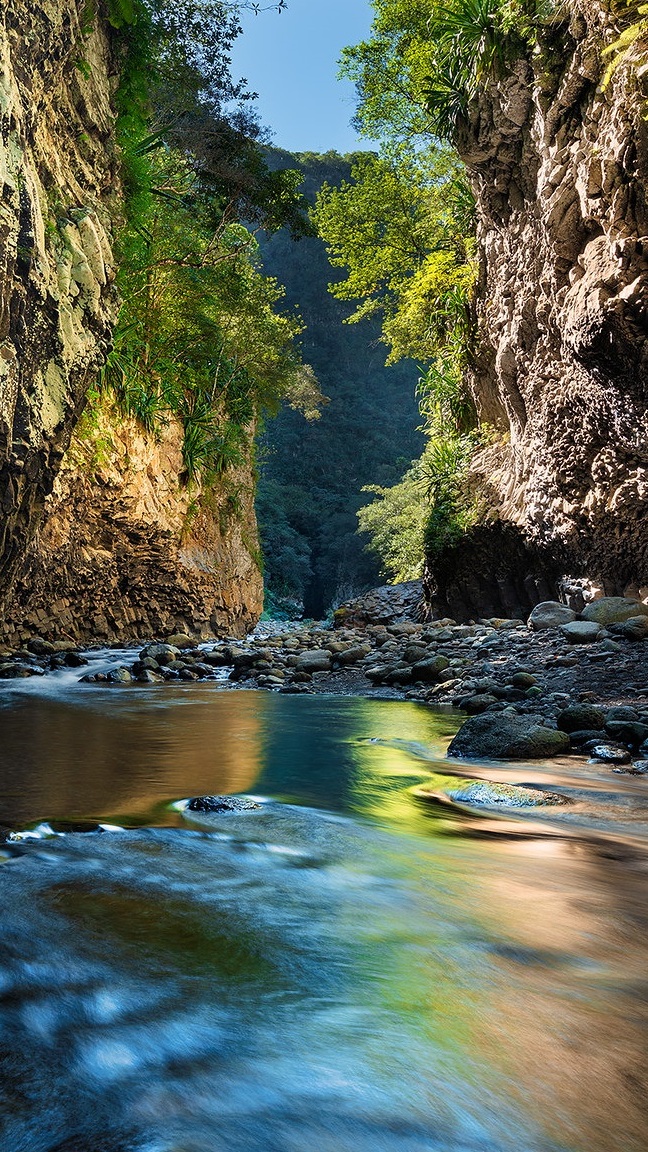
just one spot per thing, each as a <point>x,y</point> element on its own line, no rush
<point>312,471</point>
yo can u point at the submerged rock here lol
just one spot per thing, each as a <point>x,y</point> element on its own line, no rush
<point>221,804</point>
<point>484,792</point>
<point>507,736</point>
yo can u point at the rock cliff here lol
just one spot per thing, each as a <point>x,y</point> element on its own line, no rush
<point>58,173</point>
<point>98,537</point>
<point>559,165</point>
<point>126,551</point>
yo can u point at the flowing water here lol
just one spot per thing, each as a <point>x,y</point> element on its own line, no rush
<point>345,969</point>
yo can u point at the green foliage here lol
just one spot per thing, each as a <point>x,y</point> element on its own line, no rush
<point>626,48</point>
<point>199,336</point>
<point>428,509</point>
<point>426,60</point>
<point>312,473</point>
<point>402,228</point>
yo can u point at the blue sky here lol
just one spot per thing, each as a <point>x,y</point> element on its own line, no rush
<point>290,59</point>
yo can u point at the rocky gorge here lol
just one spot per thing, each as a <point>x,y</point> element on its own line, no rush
<point>556,151</point>
<point>565,683</point>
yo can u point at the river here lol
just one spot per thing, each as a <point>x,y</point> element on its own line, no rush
<point>345,969</point>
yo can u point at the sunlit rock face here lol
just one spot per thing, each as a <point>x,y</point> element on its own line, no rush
<point>58,168</point>
<point>126,550</point>
<point>559,165</point>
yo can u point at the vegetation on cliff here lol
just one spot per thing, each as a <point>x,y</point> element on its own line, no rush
<point>200,335</point>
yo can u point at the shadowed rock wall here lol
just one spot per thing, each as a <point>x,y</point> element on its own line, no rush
<point>560,171</point>
<point>58,174</point>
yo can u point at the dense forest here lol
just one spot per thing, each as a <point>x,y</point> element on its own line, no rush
<point>365,432</point>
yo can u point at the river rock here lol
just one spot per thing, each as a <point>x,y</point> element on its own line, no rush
<point>608,753</point>
<point>16,670</point>
<point>161,653</point>
<point>550,614</point>
<point>581,631</point>
<point>627,731</point>
<point>120,676</point>
<point>478,703</point>
<point>580,716</point>
<point>634,628</point>
<point>221,804</point>
<point>181,640</point>
<point>485,793</point>
<point>613,609</point>
<point>40,647</point>
<point>508,736</point>
<point>319,660</point>
<point>429,670</point>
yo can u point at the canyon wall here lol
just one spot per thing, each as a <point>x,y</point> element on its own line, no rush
<point>98,537</point>
<point>59,179</point>
<point>559,165</point>
<point>127,552</point>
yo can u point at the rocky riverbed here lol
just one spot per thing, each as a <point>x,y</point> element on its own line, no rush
<point>561,682</point>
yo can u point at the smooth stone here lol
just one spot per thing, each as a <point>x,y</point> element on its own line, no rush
<point>580,632</point>
<point>148,677</point>
<point>523,680</point>
<point>318,660</point>
<point>550,614</point>
<point>19,671</point>
<point>579,716</point>
<point>40,647</point>
<point>120,676</point>
<point>627,731</point>
<point>162,653</point>
<point>508,736</point>
<point>429,670</point>
<point>613,610</point>
<point>484,792</point>
<point>181,640</point>
<point>478,703</point>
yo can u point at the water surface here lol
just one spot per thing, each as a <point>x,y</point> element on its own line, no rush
<point>344,970</point>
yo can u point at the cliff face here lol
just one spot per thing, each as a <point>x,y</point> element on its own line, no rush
<point>559,166</point>
<point>126,552</point>
<point>58,176</point>
<point>98,538</point>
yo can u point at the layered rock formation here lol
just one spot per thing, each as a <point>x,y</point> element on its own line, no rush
<point>126,551</point>
<point>58,173</point>
<point>559,165</point>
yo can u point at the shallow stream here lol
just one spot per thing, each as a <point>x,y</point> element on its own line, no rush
<point>346,969</point>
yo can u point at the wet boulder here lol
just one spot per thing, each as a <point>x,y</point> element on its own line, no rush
<point>221,804</point>
<point>508,736</point>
